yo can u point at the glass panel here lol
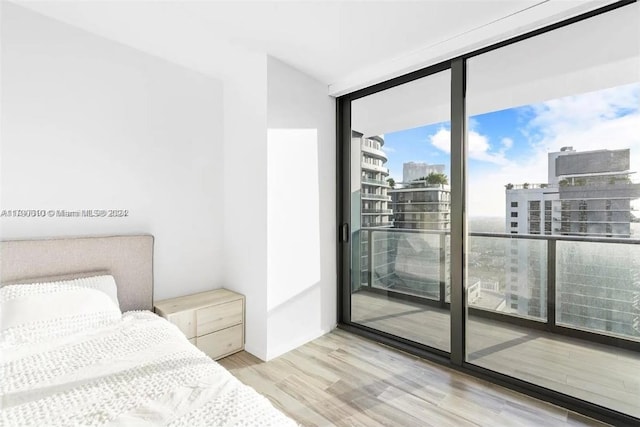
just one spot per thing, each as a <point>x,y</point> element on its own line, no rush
<point>553,158</point>
<point>598,287</point>
<point>401,210</point>
<point>507,276</point>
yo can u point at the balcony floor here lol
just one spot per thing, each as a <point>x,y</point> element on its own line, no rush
<point>601,374</point>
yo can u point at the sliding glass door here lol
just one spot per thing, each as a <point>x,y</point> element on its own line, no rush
<point>488,213</point>
<point>400,211</point>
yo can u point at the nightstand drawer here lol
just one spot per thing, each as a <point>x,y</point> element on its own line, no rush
<point>185,321</point>
<point>214,318</point>
<point>221,343</point>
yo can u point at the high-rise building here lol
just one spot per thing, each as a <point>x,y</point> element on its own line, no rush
<point>419,264</point>
<point>420,205</point>
<point>587,194</point>
<point>375,200</point>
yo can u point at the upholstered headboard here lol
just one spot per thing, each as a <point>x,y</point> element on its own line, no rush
<point>129,259</point>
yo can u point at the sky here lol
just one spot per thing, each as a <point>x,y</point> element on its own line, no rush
<point>512,146</point>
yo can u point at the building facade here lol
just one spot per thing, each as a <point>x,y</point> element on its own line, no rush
<point>421,206</point>
<point>417,262</point>
<point>588,194</point>
<point>375,200</point>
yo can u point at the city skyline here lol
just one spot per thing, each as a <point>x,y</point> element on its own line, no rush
<point>511,146</point>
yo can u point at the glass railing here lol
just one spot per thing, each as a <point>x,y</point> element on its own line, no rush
<point>585,283</point>
<point>376,196</point>
<point>374,181</point>
<point>377,211</point>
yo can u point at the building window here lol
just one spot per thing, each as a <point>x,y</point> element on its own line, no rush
<point>514,214</point>
<point>514,204</point>
<point>514,224</point>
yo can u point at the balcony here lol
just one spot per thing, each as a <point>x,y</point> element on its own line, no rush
<point>379,182</point>
<point>566,318</point>
<point>376,196</point>
<point>374,152</point>
<point>375,168</point>
<point>377,211</point>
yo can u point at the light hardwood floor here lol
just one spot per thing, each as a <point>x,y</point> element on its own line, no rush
<point>601,374</point>
<point>344,380</point>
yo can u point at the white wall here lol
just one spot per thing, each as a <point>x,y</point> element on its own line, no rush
<point>245,192</point>
<point>91,124</point>
<point>234,177</point>
<point>301,230</point>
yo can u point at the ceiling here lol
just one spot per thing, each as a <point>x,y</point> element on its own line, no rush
<point>344,44</point>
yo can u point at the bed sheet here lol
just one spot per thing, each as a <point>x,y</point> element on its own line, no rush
<point>140,370</point>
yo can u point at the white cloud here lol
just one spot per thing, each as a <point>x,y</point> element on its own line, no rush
<point>441,140</point>
<point>479,147</point>
<point>584,110</point>
<point>608,119</point>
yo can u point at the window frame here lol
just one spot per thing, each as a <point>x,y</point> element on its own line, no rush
<point>456,358</point>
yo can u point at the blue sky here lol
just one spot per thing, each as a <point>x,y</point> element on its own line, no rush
<point>511,146</point>
<point>415,144</point>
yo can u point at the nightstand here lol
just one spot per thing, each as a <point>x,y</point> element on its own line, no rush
<point>213,321</point>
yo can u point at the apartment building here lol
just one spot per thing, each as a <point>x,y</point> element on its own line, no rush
<point>588,195</point>
<point>375,200</point>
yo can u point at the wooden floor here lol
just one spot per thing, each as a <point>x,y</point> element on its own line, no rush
<point>597,373</point>
<point>343,380</point>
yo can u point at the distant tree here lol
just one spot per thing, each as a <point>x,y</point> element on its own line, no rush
<point>434,178</point>
<point>509,186</point>
<point>392,182</point>
<point>525,185</point>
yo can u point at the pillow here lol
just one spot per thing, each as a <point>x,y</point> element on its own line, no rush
<point>58,277</point>
<point>35,312</point>
<point>100,280</point>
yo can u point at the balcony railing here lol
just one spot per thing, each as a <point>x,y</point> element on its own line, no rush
<point>590,285</point>
<point>374,182</point>
<point>376,196</point>
<point>374,167</point>
<point>377,211</point>
<point>374,152</point>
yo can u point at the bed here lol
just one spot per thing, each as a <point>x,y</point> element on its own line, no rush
<point>79,346</point>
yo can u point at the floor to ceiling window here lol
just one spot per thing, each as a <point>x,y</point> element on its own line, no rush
<point>489,212</point>
<point>554,151</point>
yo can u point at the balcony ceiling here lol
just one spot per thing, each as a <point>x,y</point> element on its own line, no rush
<point>344,44</point>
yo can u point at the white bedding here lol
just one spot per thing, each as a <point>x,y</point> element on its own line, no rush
<point>139,370</point>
